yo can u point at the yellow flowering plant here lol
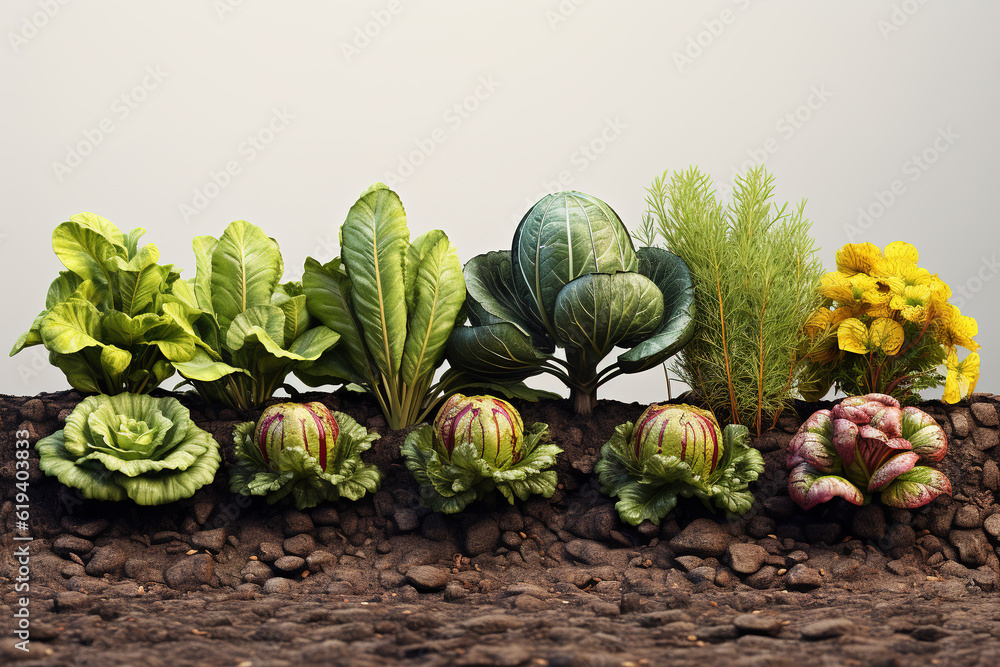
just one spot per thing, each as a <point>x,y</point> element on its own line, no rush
<point>886,326</point>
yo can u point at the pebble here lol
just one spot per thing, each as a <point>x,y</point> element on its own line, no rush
<point>290,564</point>
<point>406,520</point>
<point>325,516</point>
<point>295,522</point>
<point>85,529</point>
<point>528,603</point>
<point>481,536</point>
<point>986,438</point>
<point>454,591</point>
<point>164,536</point>
<point>606,609</point>
<point>803,578</point>
<point>300,545</point>
<point>827,628</point>
<point>106,560</point>
<point>689,563</point>
<point>746,558</point>
<point>762,578</point>
<point>992,525</point>
<point>270,552</point>
<point>256,572</point>
<point>427,577</point>
<point>991,475</point>
<point>758,624</point>
<point>317,559</point>
<point>702,537</point>
<point>973,547</point>
<point>967,516</point>
<point>277,585</point>
<point>985,414</point>
<point>190,572</point>
<point>33,410</point>
<point>64,545</point>
<point>213,540</point>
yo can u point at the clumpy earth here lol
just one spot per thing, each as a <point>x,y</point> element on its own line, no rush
<point>219,579</point>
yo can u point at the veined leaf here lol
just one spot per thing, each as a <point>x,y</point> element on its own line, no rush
<point>268,319</point>
<point>86,251</point>
<point>328,297</point>
<point>598,311</point>
<point>138,285</point>
<point>105,228</point>
<point>203,368</point>
<point>489,280</point>
<point>296,315</point>
<point>497,351</point>
<point>677,326</point>
<point>246,267</point>
<point>439,292</point>
<point>373,247</point>
<point>62,288</point>
<point>564,236</point>
<point>204,248</point>
<point>72,326</point>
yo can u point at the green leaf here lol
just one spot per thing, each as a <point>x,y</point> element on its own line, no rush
<point>204,249</point>
<point>374,241</point>
<point>94,482</point>
<point>328,297</point>
<point>139,283</point>
<point>599,311</point>
<point>489,280</point>
<point>499,352</point>
<point>638,502</point>
<point>916,487</point>
<point>677,325</point>
<point>263,322</point>
<point>203,368</point>
<point>246,268</point>
<point>86,251</point>
<point>62,288</point>
<point>439,292</point>
<point>297,318</point>
<point>71,326</point>
<point>563,237</point>
<point>809,487</point>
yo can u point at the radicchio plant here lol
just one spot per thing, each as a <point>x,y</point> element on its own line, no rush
<point>867,445</point>
<point>478,444</point>
<point>304,450</point>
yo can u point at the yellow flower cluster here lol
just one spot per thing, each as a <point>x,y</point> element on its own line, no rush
<point>870,297</point>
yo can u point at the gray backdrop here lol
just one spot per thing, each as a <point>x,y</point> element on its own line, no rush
<point>182,117</point>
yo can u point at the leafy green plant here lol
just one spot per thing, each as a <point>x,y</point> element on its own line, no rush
<point>886,326</point>
<point>251,330</point>
<point>394,303</point>
<point>477,445</point>
<point>305,451</point>
<point>104,323</point>
<point>131,446</point>
<point>867,445</point>
<point>572,279</point>
<point>755,273</point>
<point>677,451</point>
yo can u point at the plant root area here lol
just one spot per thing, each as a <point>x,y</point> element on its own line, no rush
<point>220,579</point>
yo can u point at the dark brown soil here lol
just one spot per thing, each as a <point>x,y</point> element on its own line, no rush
<point>222,580</point>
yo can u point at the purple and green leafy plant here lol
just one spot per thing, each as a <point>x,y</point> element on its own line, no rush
<point>306,451</point>
<point>867,445</point>
<point>677,451</point>
<point>476,445</point>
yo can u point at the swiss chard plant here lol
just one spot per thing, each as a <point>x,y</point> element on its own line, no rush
<point>304,451</point>
<point>104,322</point>
<point>572,279</point>
<point>867,445</point>
<point>131,446</point>
<point>394,304</point>
<point>251,331</point>
<point>477,445</point>
<point>675,451</point>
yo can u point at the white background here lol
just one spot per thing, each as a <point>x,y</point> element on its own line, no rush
<point>592,95</point>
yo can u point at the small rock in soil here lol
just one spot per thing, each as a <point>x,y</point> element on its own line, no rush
<point>758,624</point>
<point>762,578</point>
<point>803,578</point>
<point>929,633</point>
<point>85,529</point>
<point>827,628</point>
<point>325,516</point>
<point>277,585</point>
<point>594,524</point>
<point>992,525</point>
<point>406,520</point>
<point>900,536</point>
<point>973,547</point>
<point>798,556</point>
<point>967,516</point>
<point>689,563</point>
<point>106,560</point>
<point>300,545</point>
<point>427,578</point>
<point>588,552</point>
<point>960,423</point>
<point>529,603</point>
<point>454,591</point>
<point>606,609</point>
<point>985,414</point>
<point>270,552</point>
<point>64,545</point>
<point>481,536</point>
<point>33,410</point>
<point>761,526</point>
<point>631,602</point>
<point>256,572</point>
<point>991,475</point>
<point>746,558</point>
<point>702,537</point>
<point>317,559</point>
<point>986,438</point>
<point>289,564</point>
<point>190,572</point>
<point>295,522</point>
<point>823,532</point>
<point>869,522</point>
<point>213,540</point>
<point>203,510</point>
<point>164,536</point>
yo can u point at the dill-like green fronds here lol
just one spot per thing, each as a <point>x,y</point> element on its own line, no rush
<point>755,273</point>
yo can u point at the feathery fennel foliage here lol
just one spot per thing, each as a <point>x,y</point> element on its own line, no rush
<point>755,274</point>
